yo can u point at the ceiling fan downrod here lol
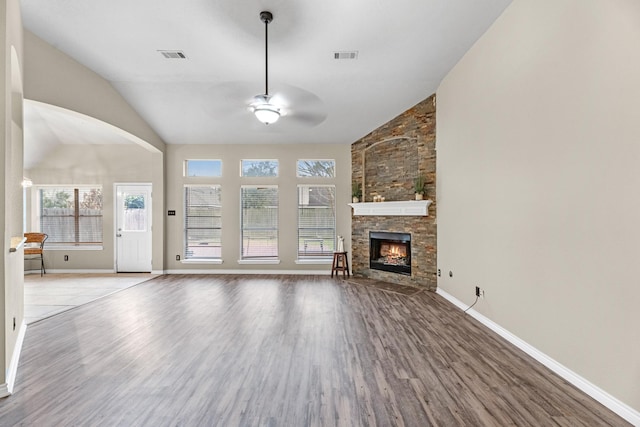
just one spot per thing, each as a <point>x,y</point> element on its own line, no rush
<point>264,110</point>
<point>266,17</point>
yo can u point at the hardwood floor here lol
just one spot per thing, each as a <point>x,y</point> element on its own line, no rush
<point>53,293</point>
<point>186,350</point>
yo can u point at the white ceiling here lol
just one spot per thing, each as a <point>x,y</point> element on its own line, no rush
<point>405,48</point>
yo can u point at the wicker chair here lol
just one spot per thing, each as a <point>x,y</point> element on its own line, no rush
<point>34,248</point>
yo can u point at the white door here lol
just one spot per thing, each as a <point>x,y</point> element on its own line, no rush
<point>133,228</point>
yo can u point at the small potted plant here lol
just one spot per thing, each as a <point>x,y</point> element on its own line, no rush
<point>356,191</point>
<point>420,187</point>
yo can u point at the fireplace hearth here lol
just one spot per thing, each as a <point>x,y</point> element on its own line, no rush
<point>390,251</point>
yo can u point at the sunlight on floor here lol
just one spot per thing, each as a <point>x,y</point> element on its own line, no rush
<point>54,293</point>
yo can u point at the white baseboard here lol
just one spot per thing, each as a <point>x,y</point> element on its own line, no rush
<point>32,271</point>
<point>248,271</point>
<point>80,271</point>
<point>7,388</point>
<point>620,408</point>
<point>70,271</point>
<point>324,272</point>
<point>83,271</point>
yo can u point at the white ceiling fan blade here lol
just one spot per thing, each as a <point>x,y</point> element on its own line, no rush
<point>235,101</point>
<point>299,105</point>
<point>229,99</point>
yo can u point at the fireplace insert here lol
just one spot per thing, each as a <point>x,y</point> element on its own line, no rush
<point>390,252</point>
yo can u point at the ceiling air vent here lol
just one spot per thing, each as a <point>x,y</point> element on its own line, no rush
<point>346,55</point>
<point>173,54</point>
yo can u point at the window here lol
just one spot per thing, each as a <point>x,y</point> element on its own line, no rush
<point>262,168</point>
<point>259,222</point>
<point>71,216</point>
<point>316,221</point>
<point>316,168</point>
<point>209,168</point>
<point>203,222</point>
<point>134,213</point>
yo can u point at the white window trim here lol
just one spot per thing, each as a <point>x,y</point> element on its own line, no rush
<point>277,175</point>
<point>316,260</point>
<point>84,247</point>
<point>335,171</point>
<point>259,260</point>
<point>35,218</point>
<point>184,259</point>
<point>216,261</point>
<point>185,168</point>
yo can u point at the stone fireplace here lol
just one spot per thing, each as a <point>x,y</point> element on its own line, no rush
<point>386,163</point>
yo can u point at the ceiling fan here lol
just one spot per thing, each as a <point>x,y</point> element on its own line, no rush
<point>262,107</point>
<point>298,108</point>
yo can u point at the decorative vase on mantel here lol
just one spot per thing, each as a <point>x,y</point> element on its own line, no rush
<point>419,196</point>
<point>355,199</point>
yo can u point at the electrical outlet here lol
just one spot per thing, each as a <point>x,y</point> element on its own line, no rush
<point>177,257</point>
<point>439,273</point>
<point>14,323</point>
<point>479,292</point>
<point>66,257</point>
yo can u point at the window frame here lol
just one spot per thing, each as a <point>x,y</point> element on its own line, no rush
<point>242,172</point>
<point>185,233</point>
<point>185,168</point>
<point>257,259</point>
<point>315,176</point>
<point>301,251</point>
<point>75,191</point>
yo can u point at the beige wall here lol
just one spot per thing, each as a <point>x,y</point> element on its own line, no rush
<point>102,165</point>
<point>538,145</point>
<point>231,182</point>
<point>55,78</point>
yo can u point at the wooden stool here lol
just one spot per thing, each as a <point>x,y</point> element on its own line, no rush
<point>340,263</point>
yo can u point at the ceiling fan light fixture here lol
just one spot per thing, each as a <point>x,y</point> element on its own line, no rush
<point>267,113</point>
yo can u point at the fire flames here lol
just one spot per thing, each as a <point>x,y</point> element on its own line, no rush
<point>393,254</point>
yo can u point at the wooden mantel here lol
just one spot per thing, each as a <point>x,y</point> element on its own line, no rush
<point>405,208</point>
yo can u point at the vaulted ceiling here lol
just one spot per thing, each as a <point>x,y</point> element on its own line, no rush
<point>402,49</point>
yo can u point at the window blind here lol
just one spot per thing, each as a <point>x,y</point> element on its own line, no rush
<point>71,215</point>
<point>203,222</point>
<point>316,221</point>
<point>259,222</point>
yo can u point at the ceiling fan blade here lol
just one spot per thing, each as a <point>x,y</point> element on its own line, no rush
<point>308,119</point>
<point>229,99</point>
<point>300,105</point>
<point>233,101</point>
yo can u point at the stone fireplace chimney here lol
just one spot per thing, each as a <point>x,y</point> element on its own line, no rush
<point>386,162</point>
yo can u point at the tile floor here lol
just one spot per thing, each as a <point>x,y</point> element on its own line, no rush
<point>54,293</point>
